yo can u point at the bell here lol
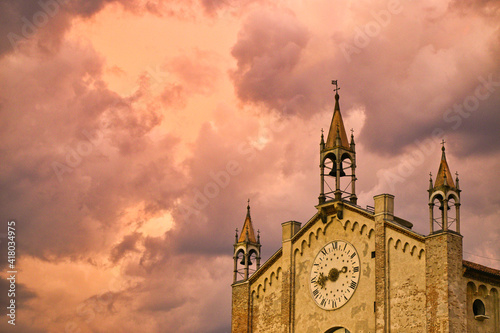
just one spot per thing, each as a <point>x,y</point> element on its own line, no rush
<point>242,262</point>
<point>441,208</point>
<point>333,173</point>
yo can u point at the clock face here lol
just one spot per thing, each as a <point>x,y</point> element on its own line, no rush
<point>334,274</point>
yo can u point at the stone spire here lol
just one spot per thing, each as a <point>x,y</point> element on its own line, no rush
<point>248,228</point>
<point>444,176</point>
<point>337,129</point>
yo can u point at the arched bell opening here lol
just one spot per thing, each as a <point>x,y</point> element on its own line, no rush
<point>339,176</point>
<point>452,213</point>
<point>252,261</point>
<point>329,170</point>
<point>239,265</point>
<point>330,163</point>
<point>437,213</point>
<point>348,179</point>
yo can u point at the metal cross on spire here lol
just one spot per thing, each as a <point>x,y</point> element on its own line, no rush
<point>443,142</point>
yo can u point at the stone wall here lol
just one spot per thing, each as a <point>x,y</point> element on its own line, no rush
<point>265,300</point>
<point>405,283</point>
<point>239,313</point>
<point>446,294</point>
<point>489,295</point>
<point>357,315</point>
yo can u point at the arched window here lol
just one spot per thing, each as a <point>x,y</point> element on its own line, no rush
<point>478,308</point>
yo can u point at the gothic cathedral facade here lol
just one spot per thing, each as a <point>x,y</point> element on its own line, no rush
<point>360,270</point>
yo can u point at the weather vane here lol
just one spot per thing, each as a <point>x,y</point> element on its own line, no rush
<point>334,82</point>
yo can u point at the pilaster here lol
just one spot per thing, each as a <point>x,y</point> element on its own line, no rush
<point>289,229</point>
<point>384,211</point>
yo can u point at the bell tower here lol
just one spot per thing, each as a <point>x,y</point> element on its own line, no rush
<point>445,194</point>
<point>246,250</point>
<point>337,160</point>
<point>445,290</point>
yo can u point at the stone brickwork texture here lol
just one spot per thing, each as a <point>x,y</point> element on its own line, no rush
<point>239,313</point>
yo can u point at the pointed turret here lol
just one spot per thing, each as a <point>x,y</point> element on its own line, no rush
<point>248,228</point>
<point>322,142</point>
<point>445,194</point>
<point>444,176</point>
<point>337,135</point>
<point>353,144</point>
<point>246,247</point>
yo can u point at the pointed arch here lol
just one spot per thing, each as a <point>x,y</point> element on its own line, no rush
<point>406,246</point>
<point>311,236</point>
<point>259,288</point>
<point>356,224</point>
<point>346,224</point>
<point>363,229</point>
<point>370,234</point>
<point>278,272</point>
<point>389,242</point>
<point>303,245</point>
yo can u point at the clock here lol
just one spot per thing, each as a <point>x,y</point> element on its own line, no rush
<point>334,275</point>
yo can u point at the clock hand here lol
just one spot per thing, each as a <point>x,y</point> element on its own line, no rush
<point>333,275</point>
<point>321,280</point>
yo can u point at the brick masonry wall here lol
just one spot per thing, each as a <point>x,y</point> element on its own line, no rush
<point>446,296</point>
<point>239,314</point>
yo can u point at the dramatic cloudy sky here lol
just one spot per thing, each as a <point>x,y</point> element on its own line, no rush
<point>133,132</point>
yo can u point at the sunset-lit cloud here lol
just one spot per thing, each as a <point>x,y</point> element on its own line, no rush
<point>133,133</point>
